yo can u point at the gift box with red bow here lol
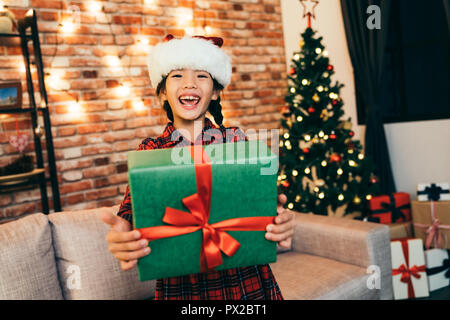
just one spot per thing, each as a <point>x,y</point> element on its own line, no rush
<point>203,207</point>
<point>409,278</point>
<point>438,268</point>
<point>431,222</point>
<point>391,208</point>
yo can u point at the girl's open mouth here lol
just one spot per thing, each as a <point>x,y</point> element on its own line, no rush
<point>189,102</point>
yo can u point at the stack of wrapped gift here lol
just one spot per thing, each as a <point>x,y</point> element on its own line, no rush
<point>431,221</point>
<point>409,278</point>
<point>394,210</point>
<point>203,207</point>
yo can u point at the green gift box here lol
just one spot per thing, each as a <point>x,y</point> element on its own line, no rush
<point>237,182</point>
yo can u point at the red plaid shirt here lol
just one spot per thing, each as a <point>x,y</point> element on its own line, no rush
<point>248,283</point>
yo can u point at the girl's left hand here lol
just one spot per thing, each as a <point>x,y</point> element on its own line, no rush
<point>283,229</point>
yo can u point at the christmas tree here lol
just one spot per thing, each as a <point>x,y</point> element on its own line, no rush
<point>322,168</point>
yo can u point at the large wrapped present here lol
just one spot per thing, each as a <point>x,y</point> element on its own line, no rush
<point>433,191</point>
<point>203,207</point>
<point>438,268</point>
<point>401,230</point>
<point>431,221</point>
<point>409,278</point>
<point>391,208</point>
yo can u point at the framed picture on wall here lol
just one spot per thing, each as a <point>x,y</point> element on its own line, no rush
<point>10,95</point>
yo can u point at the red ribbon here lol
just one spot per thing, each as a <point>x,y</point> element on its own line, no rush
<point>215,239</point>
<point>406,271</point>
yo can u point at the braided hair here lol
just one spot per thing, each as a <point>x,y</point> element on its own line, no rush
<point>214,108</point>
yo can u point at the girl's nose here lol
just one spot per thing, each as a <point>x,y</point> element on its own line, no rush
<point>189,81</point>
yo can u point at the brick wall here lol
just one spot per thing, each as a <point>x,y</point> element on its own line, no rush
<point>92,138</point>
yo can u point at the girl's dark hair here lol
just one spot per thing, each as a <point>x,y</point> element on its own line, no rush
<point>214,108</point>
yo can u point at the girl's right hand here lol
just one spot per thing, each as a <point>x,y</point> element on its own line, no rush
<point>123,242</point>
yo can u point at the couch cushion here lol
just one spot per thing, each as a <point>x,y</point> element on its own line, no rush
<point>27,260</point>
<point>303,276</point>
<point>86,267</point>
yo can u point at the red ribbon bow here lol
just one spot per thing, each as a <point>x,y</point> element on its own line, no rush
<point>215,239</point>
<point>406,271</point>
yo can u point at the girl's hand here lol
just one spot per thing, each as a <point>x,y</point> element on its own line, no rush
<point>123,243</point>
<point>283,229</point>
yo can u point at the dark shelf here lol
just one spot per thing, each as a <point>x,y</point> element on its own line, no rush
<point>28,30</point>
<point>21,181</point>
<point>21,110</point>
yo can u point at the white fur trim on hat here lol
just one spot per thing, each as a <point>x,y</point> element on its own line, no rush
<point>189,53</point>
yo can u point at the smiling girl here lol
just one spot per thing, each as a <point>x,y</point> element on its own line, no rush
<point>189,74</point>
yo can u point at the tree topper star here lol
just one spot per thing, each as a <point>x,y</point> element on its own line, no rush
<point>308,9</point>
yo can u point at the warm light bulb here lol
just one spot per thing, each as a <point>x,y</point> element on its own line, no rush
<point>112,61</point>
<point>321,195</point>
<point>296,56</point>
<point>74,107</point>
<point>340,171</point>
<point>290,205</point>
<point>307,170</point>
<point>299,118</point>
<point>281,143</point>
<point>341,197</point>
<point>318,50</point>
<point>294,173</point>
<point>143,41</point>
<point>323,163</point>
<point>138,105</point>
<point>286,135</point>
<point>94,6</point>
<point>360,156</point>
<point>352,163</point>
<point>292,90</point>
<point>123,90</point>
<point>369,196</point>
<point>321,134</point>
<point>305,82</point>
<point>307,137</point>
<point>316,189</point>
<point>67,26</point>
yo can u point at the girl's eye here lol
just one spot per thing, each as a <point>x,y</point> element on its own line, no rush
<point>179,75</point>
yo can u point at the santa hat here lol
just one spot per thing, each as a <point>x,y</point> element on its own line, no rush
<point>198,53</point>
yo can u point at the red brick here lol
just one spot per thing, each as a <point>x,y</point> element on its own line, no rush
<point>75,198</point>
<point>76,186</point>
<point>99,171</point>
<point>127,19</point>
<point>84,129</point>
<point>20,209</point>
<point>49,4</point>
<point>101,193</point>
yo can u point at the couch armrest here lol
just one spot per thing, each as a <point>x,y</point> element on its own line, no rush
<point>350,241</point>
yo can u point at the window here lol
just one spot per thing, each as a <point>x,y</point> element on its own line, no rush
<point>416,74</point>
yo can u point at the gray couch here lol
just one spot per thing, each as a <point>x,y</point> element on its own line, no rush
<point>65,256</point>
